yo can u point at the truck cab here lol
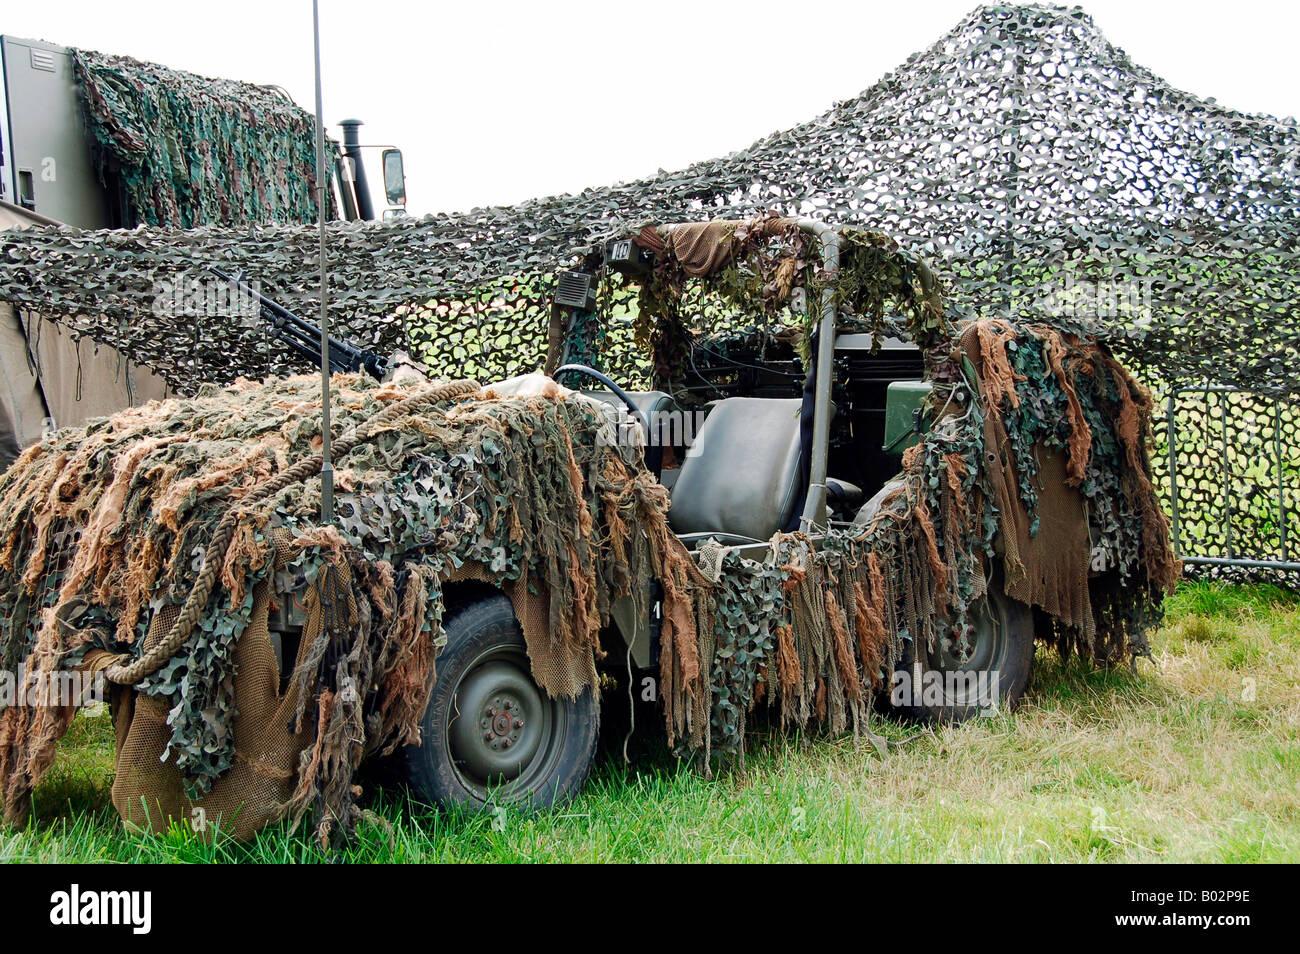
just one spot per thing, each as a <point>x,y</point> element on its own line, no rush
<point>48,162</point>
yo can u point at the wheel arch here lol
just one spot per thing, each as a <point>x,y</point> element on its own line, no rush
<point>474,581</point>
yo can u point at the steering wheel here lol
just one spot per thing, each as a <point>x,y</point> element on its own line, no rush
<point>654,452</point>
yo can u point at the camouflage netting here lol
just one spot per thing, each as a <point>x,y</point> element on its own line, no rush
<point>760,275</point>
<point>109,533</point>
<point>1035,471</point>
<point>1048,177</point>
<point>1016,152</point>
<point>182,150</point>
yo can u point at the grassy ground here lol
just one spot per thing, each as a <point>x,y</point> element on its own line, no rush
<point>1196,758</point>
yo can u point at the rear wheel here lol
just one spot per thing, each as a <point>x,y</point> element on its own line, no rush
<point>491,735</point>
<point>990,675</point>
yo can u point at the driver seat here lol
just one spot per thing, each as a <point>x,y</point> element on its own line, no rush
<point>742,475</point>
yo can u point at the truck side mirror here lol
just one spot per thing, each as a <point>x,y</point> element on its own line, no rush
<point>394,177</point>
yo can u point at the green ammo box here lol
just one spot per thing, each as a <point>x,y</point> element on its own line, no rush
<point>902,399</point>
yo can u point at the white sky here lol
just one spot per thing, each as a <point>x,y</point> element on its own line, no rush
<point>493,102</point>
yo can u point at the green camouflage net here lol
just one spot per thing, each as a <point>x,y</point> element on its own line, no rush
<point>104,529</point>
<point>1035,478</point>
<point>760,275</point>
<point>185,150</point>
<point>1046,175</point>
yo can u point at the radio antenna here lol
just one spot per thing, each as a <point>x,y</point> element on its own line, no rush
<point>327,464</point>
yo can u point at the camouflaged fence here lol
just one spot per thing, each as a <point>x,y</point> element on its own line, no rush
<point>1046,175</point>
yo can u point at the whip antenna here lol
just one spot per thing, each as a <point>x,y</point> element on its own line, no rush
<point>327,465</point>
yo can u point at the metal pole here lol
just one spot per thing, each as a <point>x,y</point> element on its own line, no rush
<point>1234,561</point>
<point>814,516</point>
<point>327,463</point>
<point>1172,435</point>
<point>1282,515</point>
<point>1227,477</point>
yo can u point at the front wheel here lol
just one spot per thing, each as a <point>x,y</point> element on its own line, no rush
<point>992,675</point>
<point>491,735</point>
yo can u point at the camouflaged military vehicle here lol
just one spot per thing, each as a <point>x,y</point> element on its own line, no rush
<point>764,474</point>
<point>817,419</point>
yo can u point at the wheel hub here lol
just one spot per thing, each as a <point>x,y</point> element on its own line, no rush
<point>503,722</point>
<point>985,651</point>
<point>500,723</point>
<point>981,648</point>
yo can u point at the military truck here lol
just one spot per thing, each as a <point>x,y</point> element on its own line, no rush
<point>753,447</point>
<point>832,417</point>
<point>50,174</point>
<point>48,166</point>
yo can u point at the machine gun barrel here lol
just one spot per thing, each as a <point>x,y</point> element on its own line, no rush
<point>303,337</point>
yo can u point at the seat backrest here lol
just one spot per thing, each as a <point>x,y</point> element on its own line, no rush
<point>648,403</point>
<point>658,411</point>
<point>741,476</point>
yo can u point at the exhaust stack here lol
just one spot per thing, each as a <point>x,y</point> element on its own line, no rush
<point>352,149</point>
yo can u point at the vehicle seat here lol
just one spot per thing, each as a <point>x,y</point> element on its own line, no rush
<point>655,407</point>
<point>742,476</point>
<point>842,497</point>
<point>648,403</point>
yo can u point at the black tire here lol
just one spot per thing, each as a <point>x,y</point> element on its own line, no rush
<point>1003,641</point>
<point>522,748</point>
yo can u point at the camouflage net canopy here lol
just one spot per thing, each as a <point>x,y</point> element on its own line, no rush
<point>1047,176</point>
<point>183,150</point>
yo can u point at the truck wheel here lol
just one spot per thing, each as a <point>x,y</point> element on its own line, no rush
<point>953,689</point>
<point>491,735</point>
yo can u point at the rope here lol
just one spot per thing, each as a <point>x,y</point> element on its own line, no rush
<point>126,674</point>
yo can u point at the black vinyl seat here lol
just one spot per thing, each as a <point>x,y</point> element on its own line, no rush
<point>843,497</point>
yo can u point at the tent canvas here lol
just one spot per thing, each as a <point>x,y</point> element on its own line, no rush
<point>51,378</point>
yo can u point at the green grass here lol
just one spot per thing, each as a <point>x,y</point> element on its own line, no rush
<point>1196,758</point>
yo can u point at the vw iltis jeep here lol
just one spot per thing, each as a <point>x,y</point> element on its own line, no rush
<point>751,440</point>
